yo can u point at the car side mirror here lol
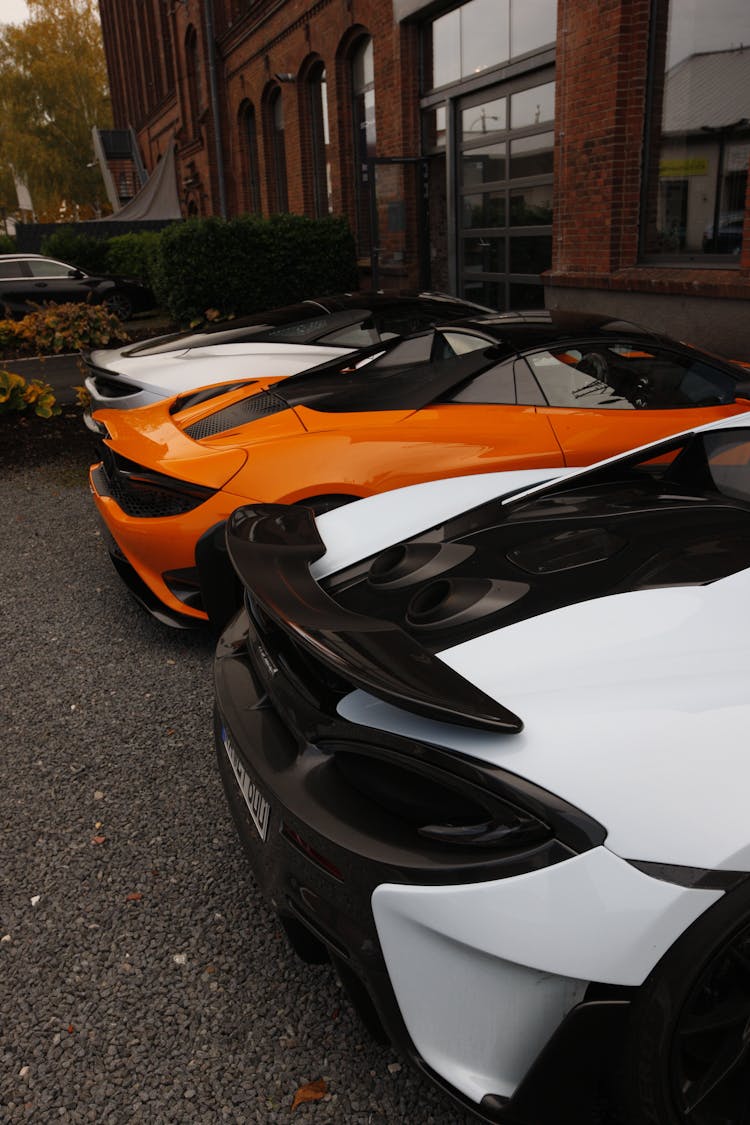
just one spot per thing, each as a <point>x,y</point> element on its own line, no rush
<point>76,273</point>
<point>742,389</point>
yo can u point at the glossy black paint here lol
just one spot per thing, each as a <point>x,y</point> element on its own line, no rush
<point>618,529</point>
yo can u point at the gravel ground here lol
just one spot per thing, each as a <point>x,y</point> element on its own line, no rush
<point>141,976</point>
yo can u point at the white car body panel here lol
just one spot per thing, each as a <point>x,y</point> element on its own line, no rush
<point>459,955</point>
<point>171,373</point>
<point>586,704</point>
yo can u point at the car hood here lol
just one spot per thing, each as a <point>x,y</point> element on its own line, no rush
<point>191,438</point>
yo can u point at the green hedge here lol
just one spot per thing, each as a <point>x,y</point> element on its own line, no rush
<point>133,255</point>
<point>7,244</point>
<point>237,266</point>
<point>83,250</point>
<point>249,264</point>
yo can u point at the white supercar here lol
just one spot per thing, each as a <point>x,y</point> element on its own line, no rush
<point>535,698</point>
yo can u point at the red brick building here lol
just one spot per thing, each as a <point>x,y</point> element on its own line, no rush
<point>579,153</point>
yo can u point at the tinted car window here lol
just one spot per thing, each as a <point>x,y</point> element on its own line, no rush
<point>728,459</point>
<point>418,349</point>
<point>627,376</point>
<point>353,336</point>
<point>49,269</point>
<point>12,269</point>
<point>528,391</point>
<point>575,378</point>
<point>494,386</point>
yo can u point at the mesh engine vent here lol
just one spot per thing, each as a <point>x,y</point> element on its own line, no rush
<point>247,410</point>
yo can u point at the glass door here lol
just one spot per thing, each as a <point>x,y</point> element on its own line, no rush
<point>504,151</point>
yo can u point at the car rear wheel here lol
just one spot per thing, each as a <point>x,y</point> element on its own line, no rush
<point>120,304</point>
<point>688,1060</point>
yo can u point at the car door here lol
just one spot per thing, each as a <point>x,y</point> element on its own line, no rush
<point>15,284</point>
<point>481,426</point>
<point>57,281</point>
<point>603,397</point>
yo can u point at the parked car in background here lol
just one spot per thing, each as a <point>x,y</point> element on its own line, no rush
<point>27,280</point>
<point>537,390</point>
<point>485,746</point>
<point>729,240</point>
<point>276,342</point>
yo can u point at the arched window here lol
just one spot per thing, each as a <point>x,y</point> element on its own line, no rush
<point>193,80</point>
<point>317,107</point>
<point>250,179</point>
<point>363,111</point>
<point>276,148</point>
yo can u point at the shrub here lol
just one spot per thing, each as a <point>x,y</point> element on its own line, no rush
<point>249,264</point>
<point>62,328</point>
<point>132,255</point>
<point>16,395</point>
<point>7,244</point>
<point>83,250</point>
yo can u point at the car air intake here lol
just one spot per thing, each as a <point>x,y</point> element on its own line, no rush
<point>238,414</point>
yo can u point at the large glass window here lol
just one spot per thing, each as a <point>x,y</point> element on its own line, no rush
<point>275,126</point>
<point>363,108</point>
<point>319,140</point>
<point>249,148</point>
<point>486,33</point>
<point>698,136</point>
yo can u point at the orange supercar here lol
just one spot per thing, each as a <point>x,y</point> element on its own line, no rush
<point>543,390</point>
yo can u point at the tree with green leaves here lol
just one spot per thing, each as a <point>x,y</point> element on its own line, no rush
<point>53,89</point>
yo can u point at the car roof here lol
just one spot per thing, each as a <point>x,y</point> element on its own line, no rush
<point>262,325</point>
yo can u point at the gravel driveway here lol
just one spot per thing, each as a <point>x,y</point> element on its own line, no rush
<point>141,976</point>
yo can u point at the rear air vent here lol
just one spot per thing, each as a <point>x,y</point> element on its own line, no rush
<point>449,601</point>
<point>238,414</point>
<point>195,398</point>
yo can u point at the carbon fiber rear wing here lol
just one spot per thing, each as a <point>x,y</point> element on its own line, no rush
<point>272,547</point>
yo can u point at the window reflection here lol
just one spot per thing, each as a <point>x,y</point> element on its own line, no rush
<point>699,106</point>
<point>531,156</point>
<point>483,165</point>
<point>533,107</point>
<point>486,33</point>
<point>486,118</point>
<point>533,23</point>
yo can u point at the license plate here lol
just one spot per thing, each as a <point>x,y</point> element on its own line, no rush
<point>257,805</point>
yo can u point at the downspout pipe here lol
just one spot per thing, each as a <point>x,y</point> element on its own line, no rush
<point>215,115</point>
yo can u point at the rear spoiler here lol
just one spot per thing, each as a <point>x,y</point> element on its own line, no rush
<point>272,547</point>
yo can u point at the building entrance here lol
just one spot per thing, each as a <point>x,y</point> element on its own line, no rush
<point>504,142</point>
